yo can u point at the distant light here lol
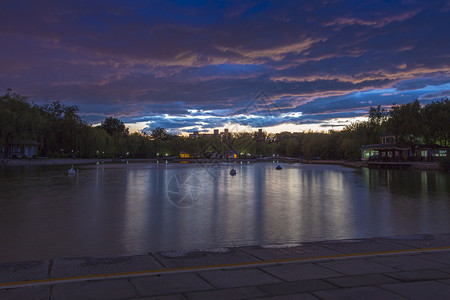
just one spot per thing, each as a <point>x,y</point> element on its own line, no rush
<point>166,154</point>
<point>248,154</point>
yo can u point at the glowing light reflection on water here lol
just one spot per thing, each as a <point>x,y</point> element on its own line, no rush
<point>136,208</point>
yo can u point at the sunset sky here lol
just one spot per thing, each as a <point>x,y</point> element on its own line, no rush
<point>199,65</point>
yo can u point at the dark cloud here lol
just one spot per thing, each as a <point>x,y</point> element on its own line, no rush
<point>157,61</point>
<point>444,94</point>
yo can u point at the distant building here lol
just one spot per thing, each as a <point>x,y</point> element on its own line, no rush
<point>207,135</point>
<point>20,149</point>
<point>259,135</point>
<point>389,150</point>
<point>432,152</point>
<point>215,133</point>
<point>194,135</point>
<point>387,138</point>
<point>225,132</point>
<point>184,154</point>
<point>231,154</point>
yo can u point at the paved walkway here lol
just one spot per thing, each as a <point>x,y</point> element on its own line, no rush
<point>409,267</point>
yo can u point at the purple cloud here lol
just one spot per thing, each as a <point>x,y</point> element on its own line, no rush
<point>140,60</point>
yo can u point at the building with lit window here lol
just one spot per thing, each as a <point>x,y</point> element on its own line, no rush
<point>231,154</point>
<point>184,154</point>
<point>20,149</point>
<point>389,150</point>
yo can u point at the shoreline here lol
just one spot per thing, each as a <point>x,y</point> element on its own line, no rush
<point>424,166</point>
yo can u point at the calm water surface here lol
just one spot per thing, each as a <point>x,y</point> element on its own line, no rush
<point>135,208</point>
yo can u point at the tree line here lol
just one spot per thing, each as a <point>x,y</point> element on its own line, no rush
<point>61,132</point>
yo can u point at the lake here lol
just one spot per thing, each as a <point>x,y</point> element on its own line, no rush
<point>117,209</point>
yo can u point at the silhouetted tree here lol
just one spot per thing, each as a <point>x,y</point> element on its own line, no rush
<point>436,122</point>
<point>114,126</point>
<point>159,133</point>
<point>405,121</point>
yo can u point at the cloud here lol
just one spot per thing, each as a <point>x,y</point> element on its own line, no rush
<point>342,22</point>
<point>148,61</point>
<point>274,53</point>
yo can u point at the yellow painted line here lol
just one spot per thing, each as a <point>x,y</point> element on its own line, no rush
<point>49,281</point>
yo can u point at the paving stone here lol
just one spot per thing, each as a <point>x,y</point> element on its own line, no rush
<point>102,289</point>
<point>356,267</point>
<point>440,257</point>
<point>357,293</point>
<point>286,252</point>
<point>419,275</point>
<point>35,293</point>
<point>420,289</point>
<point>195,258</point>
<point>363,245</point>
<point>169,284</point>
<point>292,297</point>
<point>297,287</point>
<point>300,271</point>
<point>421,240</point>
<point>169,297</point>
<point>231,294</point>
<point>103,265</point>
<point>23,271</point>
<point>446,281</point>
<point>407,263</point>
<point>237,278</point>
<point>165,297</point>
<point>361,280</point>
